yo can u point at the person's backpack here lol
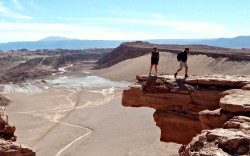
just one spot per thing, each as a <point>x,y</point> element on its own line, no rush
<point>178,56</point>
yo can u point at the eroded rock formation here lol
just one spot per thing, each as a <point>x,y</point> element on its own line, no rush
<point>8,147</point>
<point>204,113</point>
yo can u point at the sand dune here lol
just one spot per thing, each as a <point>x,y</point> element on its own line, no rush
<point>198,65</point>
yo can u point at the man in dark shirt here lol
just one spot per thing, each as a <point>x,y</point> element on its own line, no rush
<point>154,60</point>
<point>182,57</point>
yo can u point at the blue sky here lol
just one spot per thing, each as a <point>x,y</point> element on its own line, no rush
<point>30,20</point>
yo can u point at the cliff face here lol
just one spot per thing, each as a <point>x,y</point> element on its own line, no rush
<point>8,147</point>
<point>213,106</point>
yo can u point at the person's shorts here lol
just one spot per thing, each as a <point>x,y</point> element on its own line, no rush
<point>183,64</point>
<point>154,62</point>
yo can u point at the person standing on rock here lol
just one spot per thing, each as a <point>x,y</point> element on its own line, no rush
<point>155,57</point>
<point>182,58</point>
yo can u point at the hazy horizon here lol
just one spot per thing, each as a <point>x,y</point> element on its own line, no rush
<point>61,38</point>
<point>32,20</point>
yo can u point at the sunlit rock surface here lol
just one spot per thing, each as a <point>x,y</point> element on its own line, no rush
<point>207,114</point>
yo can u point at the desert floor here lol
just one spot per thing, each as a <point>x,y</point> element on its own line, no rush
<point>87,119</point>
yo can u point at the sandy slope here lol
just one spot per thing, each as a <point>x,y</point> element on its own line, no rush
<point>198,65</point>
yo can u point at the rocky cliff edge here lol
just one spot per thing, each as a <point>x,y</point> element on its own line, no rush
<point>209,115</point>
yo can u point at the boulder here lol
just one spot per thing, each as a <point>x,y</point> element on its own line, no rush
<point>236,100</point>
<point>214,119</point>
<point>224,142</point>
<point>239,122</point>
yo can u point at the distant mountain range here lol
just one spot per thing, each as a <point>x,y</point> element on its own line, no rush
<point>236,42</point>
<point>56,38</point>
<point>55,42</point>
<point>48,43</point>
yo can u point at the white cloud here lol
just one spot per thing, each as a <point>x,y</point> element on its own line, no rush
<point>35,31</point>
<point>159,29</point>
<point>17,4</point>
<point>18,16</point>
<point>33,5</point>
<point>137,14</point>
<point>204,29</point>
<point>6,12</point>
<point>3,9</point>
<point>157,15</point>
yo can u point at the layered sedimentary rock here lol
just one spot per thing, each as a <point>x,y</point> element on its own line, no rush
<point>8,147</point>
<point>197,105</point>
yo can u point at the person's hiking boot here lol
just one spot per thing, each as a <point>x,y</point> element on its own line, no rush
<point>175,74</point>
<point>186,76</point>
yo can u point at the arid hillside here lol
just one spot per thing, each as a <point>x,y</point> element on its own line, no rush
<point>131,50</point>
<point>18,66</point>
<point>168,64</point>
<point>122,63</point>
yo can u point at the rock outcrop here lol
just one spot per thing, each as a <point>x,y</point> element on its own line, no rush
<point>8,147</point>
<point>4,101</point>
<point>207,114</point>
<point>232,139</point>
<point>223,142</point>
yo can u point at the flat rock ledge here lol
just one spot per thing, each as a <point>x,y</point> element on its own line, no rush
<point>208,114</point>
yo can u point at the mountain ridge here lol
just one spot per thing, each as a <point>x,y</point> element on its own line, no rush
<point>57,42</point>
<point>56,38</point>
